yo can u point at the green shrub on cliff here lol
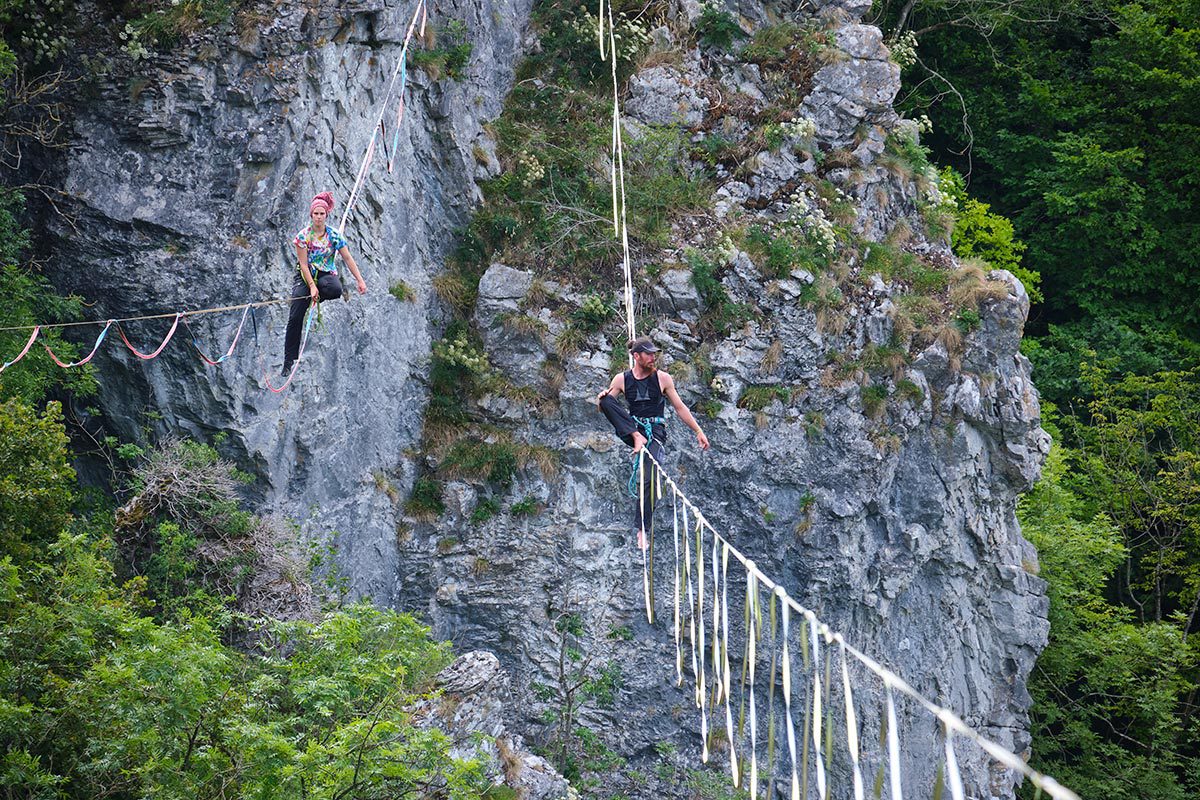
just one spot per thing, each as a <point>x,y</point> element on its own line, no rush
<point>99,699</point>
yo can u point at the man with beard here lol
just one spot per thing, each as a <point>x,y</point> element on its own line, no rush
<point>646,388</point>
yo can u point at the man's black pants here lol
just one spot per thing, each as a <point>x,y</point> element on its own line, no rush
<point>329,287</point>
<point>624,426</point>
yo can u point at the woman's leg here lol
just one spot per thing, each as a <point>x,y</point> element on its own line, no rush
<point>296,311</point>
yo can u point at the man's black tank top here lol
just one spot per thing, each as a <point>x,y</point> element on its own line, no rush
<point>645,397</point>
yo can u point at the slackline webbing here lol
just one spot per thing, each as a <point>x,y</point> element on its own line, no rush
<point>697,535</point>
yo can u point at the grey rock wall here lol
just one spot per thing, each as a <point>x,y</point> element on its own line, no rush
<point>897,525</point>
<point>187,179</point>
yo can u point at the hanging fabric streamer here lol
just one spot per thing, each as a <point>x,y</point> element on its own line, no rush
<point>83,361</point>
<point>159,349</point>
<point>308,320</point>
<point>956,784</point>
<point>852,727</point>
<point>678,628</point>
<point>751,655</point>
<point>32,337</point>
<point>236,335</point>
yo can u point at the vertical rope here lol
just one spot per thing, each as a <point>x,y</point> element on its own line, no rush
<point>725,670</point>
<point>816,706</point>
<point>852,727</point>
<point>644,534</point>
<point>678,628</point>
<point>752,639</point>
<point>893,743</point>
<point>956,783</point>
<point>701,689</point>
<point>718,603</point>
<point>787,695</point>
<point>771,727</point>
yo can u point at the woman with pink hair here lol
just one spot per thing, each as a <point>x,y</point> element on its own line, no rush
<point>316,246</point>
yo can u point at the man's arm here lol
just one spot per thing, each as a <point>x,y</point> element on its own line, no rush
<point>617,386</point>
<point>667,383</point>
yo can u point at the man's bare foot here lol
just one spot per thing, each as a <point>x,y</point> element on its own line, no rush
<point>639,441</point>
<point>642,540</point>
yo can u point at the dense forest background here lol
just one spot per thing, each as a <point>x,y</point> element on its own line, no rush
<point>1070,137</point>
<point>1078,122</point>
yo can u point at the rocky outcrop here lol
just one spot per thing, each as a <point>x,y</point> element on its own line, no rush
<point>883,498</point>
<point>185,191</point>
<point>470,709</point>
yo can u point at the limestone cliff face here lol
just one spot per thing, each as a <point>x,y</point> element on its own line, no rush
<point>187,179</point>
<point>894,520</point>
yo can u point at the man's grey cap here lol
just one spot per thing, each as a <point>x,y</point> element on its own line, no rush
<point>642,344</point>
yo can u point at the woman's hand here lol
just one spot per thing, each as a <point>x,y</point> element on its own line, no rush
<point>313,293</point>
<point>362,285</point>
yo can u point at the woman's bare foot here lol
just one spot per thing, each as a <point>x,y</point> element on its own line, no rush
<point>639,441</point>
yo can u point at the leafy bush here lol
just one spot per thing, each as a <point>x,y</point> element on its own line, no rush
<point>723,313</point>
<point>717,28</point>
<point>493,462</point>
<point>36,481</point>
<point>426,499</point>
<point>485,509</point>
<point>451,55</point>
<point>101,699</point>
<point>980,233</point>
<point>757,398</point>
<point>526,507</point>
<point>592,314</point>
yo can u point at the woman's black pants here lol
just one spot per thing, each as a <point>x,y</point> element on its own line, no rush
<point>329,287</point>
<point>624,426</point>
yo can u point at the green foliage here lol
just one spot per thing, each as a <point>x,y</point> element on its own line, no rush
<point>874,399</point>
<point>30,300</point>
<point>456,367</point>
<point>494,462</point>
<point>449,57</point>
<point>1109,691</point>
<point>1126,350</point>
<point>757,398</point>
<point>980,233</point>
<point>1085,138</point>
<point>910,391</point>
<point>592,314</point>
<point>485,509</point>
<point>169,21</point>
<point>551,209</point>
<point>723,314</point>
<point>717,28</point>
<point>426,499</point>
<point>97,699</point>
<point>967,320</point>
<point>526,507</point>
<point>36,481</point>
<point>402,292</point>
<point>894,263</point>
<point>778,255</point>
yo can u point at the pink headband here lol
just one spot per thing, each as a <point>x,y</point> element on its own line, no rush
<point>323,201</point>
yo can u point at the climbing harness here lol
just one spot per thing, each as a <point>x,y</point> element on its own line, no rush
<point>646,428</point>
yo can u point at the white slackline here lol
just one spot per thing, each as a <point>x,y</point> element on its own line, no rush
<point>951,722</point>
